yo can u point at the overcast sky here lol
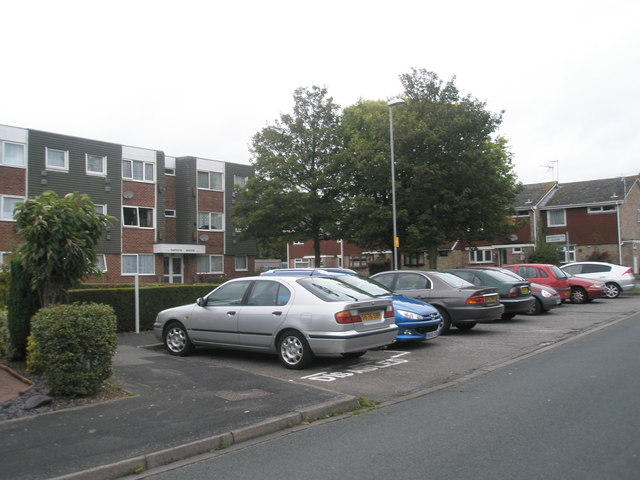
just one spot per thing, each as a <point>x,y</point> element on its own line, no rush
<point>202,77</point>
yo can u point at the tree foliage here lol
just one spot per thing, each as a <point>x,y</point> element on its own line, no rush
<point>454,176</point>
<point>59,236</point>
<point>294,194</point>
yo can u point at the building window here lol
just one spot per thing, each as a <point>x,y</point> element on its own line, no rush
<point>137,170</point>
<point>517,250</point>
<point>170,171</point>
<point>556,218</point>
<point>57,159</point>
<point>142,264</point>
<point>568,253</point>
<point>414,259</point>
<point>523,213</point>
<point>101,262</point>
<point>170,213</point>
<point>480,256</point>
<point>4,258</point>
<point>242,263</point>
<point>602,209</point>
<point>210,264</point>
<point>209,221</point>
<point>210,180</point>
<point>12,154</point>
<point>298,243</point>
<point>137,217</point>
<point>240,180</point>
<point>7,204</point>
<point>96,164</point>
<point>356,262</point>
<point>100,208</point>
<point>301,263</point>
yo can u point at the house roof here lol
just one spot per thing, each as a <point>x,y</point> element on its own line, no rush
<point>532,194</point>
<point>590,192</point>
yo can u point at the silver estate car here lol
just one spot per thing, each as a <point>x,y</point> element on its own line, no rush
<point>296,318</point>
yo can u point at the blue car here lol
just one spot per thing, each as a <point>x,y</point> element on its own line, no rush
<point>416,319</point>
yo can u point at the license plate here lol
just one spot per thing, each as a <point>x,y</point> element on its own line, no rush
<point>491,299</point>
<point>368,316</point>
<point>525,289</point>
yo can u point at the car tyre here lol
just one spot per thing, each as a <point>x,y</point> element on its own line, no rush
<point>579,295</point>
<point>445,327</point>
<point>536,308</point>
<point>612,290</point>
<point>176,340</point>
<point>465,326</point>
<point>294,351</point>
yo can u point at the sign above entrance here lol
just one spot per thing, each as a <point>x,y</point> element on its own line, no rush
<point>178,248</point>
<point>562,237</point>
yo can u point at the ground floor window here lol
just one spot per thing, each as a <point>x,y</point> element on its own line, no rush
<point>480,256</point>
<point>569,253</point>
<point>414,259</point>
<point>101,262</point>
<point>142,264</point>
<point>301,263</point>
<point>242,263</point>
<point>210,264</point>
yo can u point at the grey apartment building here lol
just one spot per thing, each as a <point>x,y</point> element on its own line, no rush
<point>173,221</point>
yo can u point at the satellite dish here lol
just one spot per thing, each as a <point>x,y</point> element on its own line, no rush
<point>513,237</point>
<point>204,237</point>
<point>127,194</point>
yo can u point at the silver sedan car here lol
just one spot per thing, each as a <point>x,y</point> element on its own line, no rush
<point>295,317</point>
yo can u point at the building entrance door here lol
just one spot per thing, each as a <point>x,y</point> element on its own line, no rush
<point>173,269</point>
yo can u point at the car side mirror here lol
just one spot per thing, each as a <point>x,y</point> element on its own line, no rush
<point>200,302</point>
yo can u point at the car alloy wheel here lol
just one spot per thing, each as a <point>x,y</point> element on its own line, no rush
<point>611,290</point>
<point>294,351</point>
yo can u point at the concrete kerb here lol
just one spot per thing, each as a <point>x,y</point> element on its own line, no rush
<point>161,458</point>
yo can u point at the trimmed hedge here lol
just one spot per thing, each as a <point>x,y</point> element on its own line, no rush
<point>75,345</point>
<point>6,350</point>
<point>152,300</point>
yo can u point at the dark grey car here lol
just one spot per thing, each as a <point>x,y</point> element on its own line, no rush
<point>460,303</point>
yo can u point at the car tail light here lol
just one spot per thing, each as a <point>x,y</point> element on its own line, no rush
<point>346,316</point>
<point>476,300</point>
<point>514,292</point>
<point>628,272</point>
<point>389,312</point>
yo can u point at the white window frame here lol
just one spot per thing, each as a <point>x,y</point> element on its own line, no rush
<point>569,256</point>
<point>170,213</point>
<point>138,257</point>
<point>564,218</point>
<point>601,209</point>
<point>301,263</point>
<point>101,262</point>
<point>210,184</point>
<point>146,176</point>
<point>170,171</point>
<point>484,253</point>
<point>65,158</point>
<point>246,263</point>
<point>3,155</point>
<point>3,199</point>
<point>522,213</point>
<point>210,222</point>
<point>211,264</point>
<point>517,250</point>
<point>3,258</point>
<point>138,216</point>
<point>103,159</point>
<point>240,180</point>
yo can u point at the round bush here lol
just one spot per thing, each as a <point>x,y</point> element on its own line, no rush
<point>75,343</point>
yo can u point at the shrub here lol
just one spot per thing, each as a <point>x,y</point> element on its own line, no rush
<point>4,286</point>
<point>75,343</point>
<point>34,363</point>
<point>6,351</point>
<point>380,264</point>
<point>21,306</point>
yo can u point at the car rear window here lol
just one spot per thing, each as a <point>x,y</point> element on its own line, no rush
<point>331,289</point>
<point>453,280</point>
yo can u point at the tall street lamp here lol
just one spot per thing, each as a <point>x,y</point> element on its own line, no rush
<point>396,240</point>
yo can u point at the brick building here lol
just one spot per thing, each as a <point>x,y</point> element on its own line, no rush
<point>173,213</point>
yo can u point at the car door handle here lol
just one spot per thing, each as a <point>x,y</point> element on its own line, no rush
<point>276,313</point>
<point>231,313</point>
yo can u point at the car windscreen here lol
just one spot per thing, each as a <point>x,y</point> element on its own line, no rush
<point>453,280</point>
<point>558,273</point>
<point>366,285</point>
<point>504,277</point>
<point>513,275</point>
<point>331,289</point>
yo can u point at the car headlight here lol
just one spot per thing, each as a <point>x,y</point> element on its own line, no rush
<point>546,293</point>
<point>409,315</point>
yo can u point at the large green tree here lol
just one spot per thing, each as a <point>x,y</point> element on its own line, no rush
<point>294,194</point>
<point>454,176</point>
<point>59,236</point>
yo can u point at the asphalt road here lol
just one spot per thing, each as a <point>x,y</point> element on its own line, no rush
<point>568,412</point>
